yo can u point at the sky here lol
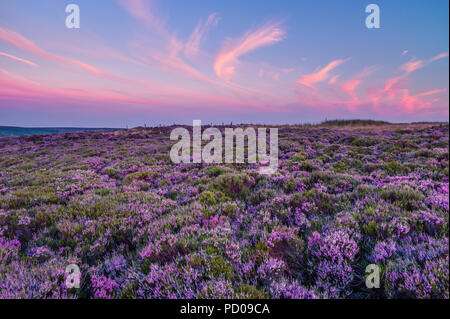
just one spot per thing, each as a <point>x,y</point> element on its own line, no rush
<point>136,62</point>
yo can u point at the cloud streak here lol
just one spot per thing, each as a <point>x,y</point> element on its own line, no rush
<point>153,59</point>
<point>438,57</point>
<point>349,87</point>
<point>323,74</point>
<point>139,9</point>
<point>16,39</point>
<point>392,95</point>
<point>13,57</point>
<point>201,30</point>
<point>169,58</point>
<point>228,57</point>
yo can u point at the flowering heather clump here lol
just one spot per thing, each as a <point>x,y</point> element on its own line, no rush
<point>139,226</point>
<point>383,250</point>
<point>103,287</point>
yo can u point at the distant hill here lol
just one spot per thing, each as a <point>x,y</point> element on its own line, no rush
<point>19,131</point>
<point>353,123</point>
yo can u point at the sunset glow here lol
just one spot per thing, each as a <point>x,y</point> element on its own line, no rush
<point>161,62</point>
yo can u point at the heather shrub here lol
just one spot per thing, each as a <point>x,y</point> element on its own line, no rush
<point>214,171</point>
<point>217,267</point>
<point>394,168</point>
<point>212,198</point>
<point>262,195</point>
<point>246,291</point>
<point>234,185</point>
<point>140,176</point>
<point>410,280</point>
<point>140,226</point>
<point>289,185</point>
<point>285,289</point>
<point>404,198</point>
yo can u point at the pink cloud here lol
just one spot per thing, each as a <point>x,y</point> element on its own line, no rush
<point>18,59</point>
<point>170,61</point>
<point>143,11</point>
<point>395,90</point>
<point>411,66</point>
<point>14,87</point>
<point>431,92</point>
<point>17,88</point>
<point>17,78</point>
<point>333,79</point>
<point>438,57</point>
<point>228,57</point>
<point>19,41</point>
<point>350,86</point>
<point>342,95</point>
<point>168,58</point>
<point>192,45</point>
<point>93,47</point>
<point>260,73</point>
<point>405,101</point>
<point>412,103</point>
<point>321,75</point>
<point>393,96</point>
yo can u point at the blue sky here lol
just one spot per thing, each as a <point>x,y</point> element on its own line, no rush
<point>137,61</point>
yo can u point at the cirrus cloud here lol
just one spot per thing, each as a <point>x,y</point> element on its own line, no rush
<point>228,57</point>
<point>193,44</point>
<point>310,80</point>
<point>13,57</point>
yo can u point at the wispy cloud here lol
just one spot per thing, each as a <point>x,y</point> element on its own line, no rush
<point>395,84</point>
<point>228,57</point>
<point>413,103</point>
<point>13,57</point>
<point>394,94</point>
<point>411,66</point>
<point>163,65</point>
<point>349,87</point>
<point>16,88</point>
<point>395,90</point>
<point>323,74</point>
<point>143,11</point>
<point>16,39</point>
<point>333,79</point>
<point>201,30</point>
<point>438,57</point>
<point>168,58</point>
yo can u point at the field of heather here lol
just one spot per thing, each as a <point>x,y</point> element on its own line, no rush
<point>139,226</point>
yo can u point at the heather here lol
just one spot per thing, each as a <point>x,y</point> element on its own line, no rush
<point>139,226</point>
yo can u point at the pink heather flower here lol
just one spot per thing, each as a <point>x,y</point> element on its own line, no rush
<point>104,287</point>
